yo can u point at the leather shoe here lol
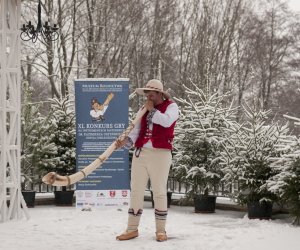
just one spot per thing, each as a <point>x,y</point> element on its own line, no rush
<point>161,236</point>
<point>128,235</point>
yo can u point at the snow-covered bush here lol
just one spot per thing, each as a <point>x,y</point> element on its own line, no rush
<point>38,152</point>
<point>286,183</point>
<point>200,133</point>
<point>247,156</point>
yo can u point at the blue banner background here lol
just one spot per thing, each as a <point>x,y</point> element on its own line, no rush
<point>93,137</point>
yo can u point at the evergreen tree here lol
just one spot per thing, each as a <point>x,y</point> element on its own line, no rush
<point>248,154</point>
<point>64,136</point>
<point>201,131</point>
<point>38,152</point>
<point>286,183</point>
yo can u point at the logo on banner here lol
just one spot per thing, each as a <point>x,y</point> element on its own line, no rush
<point>79,194</point>
<point>98,109</point>
<point>112,193</point>
<point>88,194</point>
<point>124,193</point>
<point>100,194</point>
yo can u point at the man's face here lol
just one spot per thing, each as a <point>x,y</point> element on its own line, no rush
<point>154,96</point>
<point>97,106</point>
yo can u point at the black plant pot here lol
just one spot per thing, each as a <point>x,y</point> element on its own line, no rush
<point>169,198</point>
<point>29,197</point>
<point>64,198</point>
<point>260,210</point>
<point>205,203</point>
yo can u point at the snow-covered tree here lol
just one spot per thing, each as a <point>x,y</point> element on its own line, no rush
<point>247,156</point>
<point>286,183</point>
<point>63,119</point>
<point>200,133</point>
<point>38,152</point>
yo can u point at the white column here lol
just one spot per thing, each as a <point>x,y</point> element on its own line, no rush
<point>10,111</point>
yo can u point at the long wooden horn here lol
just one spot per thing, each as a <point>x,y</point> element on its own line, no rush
<point>55,179</point>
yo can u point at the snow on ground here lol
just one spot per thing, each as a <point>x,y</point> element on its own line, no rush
<point>66,228</point>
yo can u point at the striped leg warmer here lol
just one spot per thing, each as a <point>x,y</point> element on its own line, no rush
<point>160,220</point>
<point>133,219</point>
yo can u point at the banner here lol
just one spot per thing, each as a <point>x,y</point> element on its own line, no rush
<point>101,116</point>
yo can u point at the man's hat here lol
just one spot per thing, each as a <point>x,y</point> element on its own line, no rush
<point>155,85</point>
<point>94,100</point>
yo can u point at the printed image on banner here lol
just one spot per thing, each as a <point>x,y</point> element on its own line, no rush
<point>101,116</point>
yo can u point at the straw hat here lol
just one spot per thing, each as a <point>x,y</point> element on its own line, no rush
<point>155,85</point>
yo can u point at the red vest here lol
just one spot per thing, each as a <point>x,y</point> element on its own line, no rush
<point>161,137</point>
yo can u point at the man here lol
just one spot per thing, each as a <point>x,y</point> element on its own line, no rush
<point>98,109</point>
<point>152,138</point>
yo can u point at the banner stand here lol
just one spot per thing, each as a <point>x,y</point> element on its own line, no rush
<point>101,116</point>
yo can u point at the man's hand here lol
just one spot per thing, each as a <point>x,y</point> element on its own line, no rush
<point>149,105</point>
<point>120,143</point>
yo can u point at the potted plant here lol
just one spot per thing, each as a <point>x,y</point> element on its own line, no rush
<point>286,182</point>
<point>195,167</point>
<point>37,150</point>
<point>201,131</point>
<point>247,162</point>
<point>64,137</point>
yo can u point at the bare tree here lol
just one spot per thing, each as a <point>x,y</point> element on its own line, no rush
<point>221,46</point>
<point>272,44</point>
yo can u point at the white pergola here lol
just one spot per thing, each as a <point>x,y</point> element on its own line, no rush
<point>12,204</point>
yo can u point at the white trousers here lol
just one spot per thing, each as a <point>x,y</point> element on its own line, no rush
<point>155,164</point>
